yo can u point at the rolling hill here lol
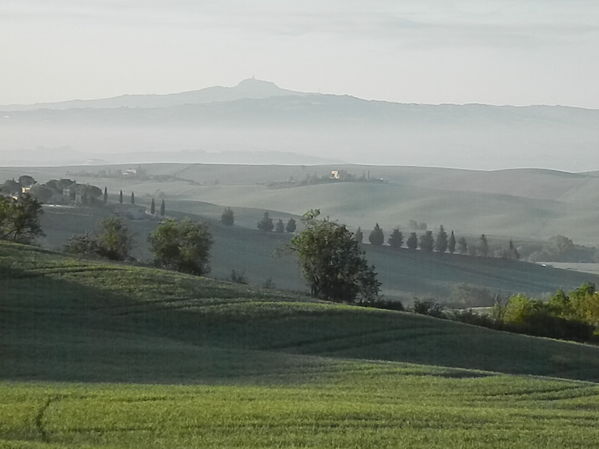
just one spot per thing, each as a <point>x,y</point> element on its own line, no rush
<point>90,353</point>
<point>262,257</point>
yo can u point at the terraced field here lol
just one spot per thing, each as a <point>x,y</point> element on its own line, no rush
<point>97,355</point>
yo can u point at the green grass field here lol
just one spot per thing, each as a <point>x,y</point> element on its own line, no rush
<point>98,355</point>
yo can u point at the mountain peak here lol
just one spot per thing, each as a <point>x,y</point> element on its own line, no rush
<point>256,83</point>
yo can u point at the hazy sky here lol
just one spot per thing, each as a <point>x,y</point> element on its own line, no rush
<point>457,51</point>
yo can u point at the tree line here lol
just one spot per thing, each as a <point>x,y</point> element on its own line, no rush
<point>443,242</point>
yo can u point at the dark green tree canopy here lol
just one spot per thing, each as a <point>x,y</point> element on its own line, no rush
<point>20,218</point>
<point>396,239</point>
<point>228,217</point>
<point>291,225</point>
<point>280,226</point>
<point>376,237</point>
<point>182,246</point>
<point>427,242</point>
<point>441,242</point>
<point>451,245</point>
<point>333,262</point>
<point>412,242</point>
<point>266,224</point>
<point>114,241</point>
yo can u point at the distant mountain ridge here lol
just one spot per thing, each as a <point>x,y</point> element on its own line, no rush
<point>249,88</point>
<point>258,115</point>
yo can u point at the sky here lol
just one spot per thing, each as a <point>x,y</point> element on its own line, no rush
<point>418,51</point>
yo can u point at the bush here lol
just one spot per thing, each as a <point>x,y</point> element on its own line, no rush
<point>428,307</point>
<point>385,304</point>
<point>114,241</point>
<point>20,218</point>
<point>238,277</point>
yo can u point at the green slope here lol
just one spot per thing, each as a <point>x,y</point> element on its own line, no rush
<point>404,274</point>
<point>264,368</point>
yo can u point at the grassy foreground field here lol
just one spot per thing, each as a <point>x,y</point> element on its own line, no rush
<point>97,355</point>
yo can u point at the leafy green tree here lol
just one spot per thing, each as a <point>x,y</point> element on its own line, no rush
<point>333,262</point>
<point>463,245</point>
<point>291,226</point>
<point>359,235</point>
<point>395,239</point>
<point>228,217</point>
<point>280,226</point>
<point>441,242</point>
<point>162,208</point>
<point>266,224</point>
<point>114,239</point>
<point>182,246</point>
<point>11,187</point>
<point>412,242</point>
<point>427,242</point>
<point>82,245</point>
<point>483,247</point>
<point>20,218</point>
<point>153,207</point>
<point>451,244</point>
<point>376,237</point>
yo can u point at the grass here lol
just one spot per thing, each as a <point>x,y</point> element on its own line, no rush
<point>100,355</point>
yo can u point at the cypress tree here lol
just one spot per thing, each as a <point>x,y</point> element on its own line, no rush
<point>162,209</point>
<point>441,242</point>
<point>153,207</point>
<point>280,226</point>
<point>376,237</point>
<point>396,239</point>
<point>266,224</point>
<point>291,225</point>
<point>484,246</point>
<point>462,245</point>
<point>359,235</point>
<point>427,242</point>
<point>412,242</point>
<point>105,195</point>
<point>452,243</point>
<point>132,198</point>
<point>121,197</point>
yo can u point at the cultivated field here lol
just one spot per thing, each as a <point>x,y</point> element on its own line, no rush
<point>85,345</point>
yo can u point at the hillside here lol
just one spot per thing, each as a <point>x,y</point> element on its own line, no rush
<point>262,257</point>
<point>264,369</point>
<point>517,204</point>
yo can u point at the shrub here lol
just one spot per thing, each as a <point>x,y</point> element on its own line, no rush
<point>428,307</point>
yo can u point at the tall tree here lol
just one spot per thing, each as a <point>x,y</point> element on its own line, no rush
<point>427,242</point>
<point>121,197</point>
<point>280,226</point>
<point>228,217</point>
<point>359,235</point>
<point>182,246</point>
<point>114,239</point>
<point>153,207</point>
<point>412,242</point>
<point>20,218</point>
<point>266,224</point>
<point>105,195</point>
<point>162,208</point>
<point>333,263</point>
<point>395,239</point>
<point>452,243</point>
<point>132,197</point>
<point>291,225</point>
<point>483,247</point>
<point>513,251</point>
<point>463,245</point>
<point>441,242</point>
<point>376,237</point>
